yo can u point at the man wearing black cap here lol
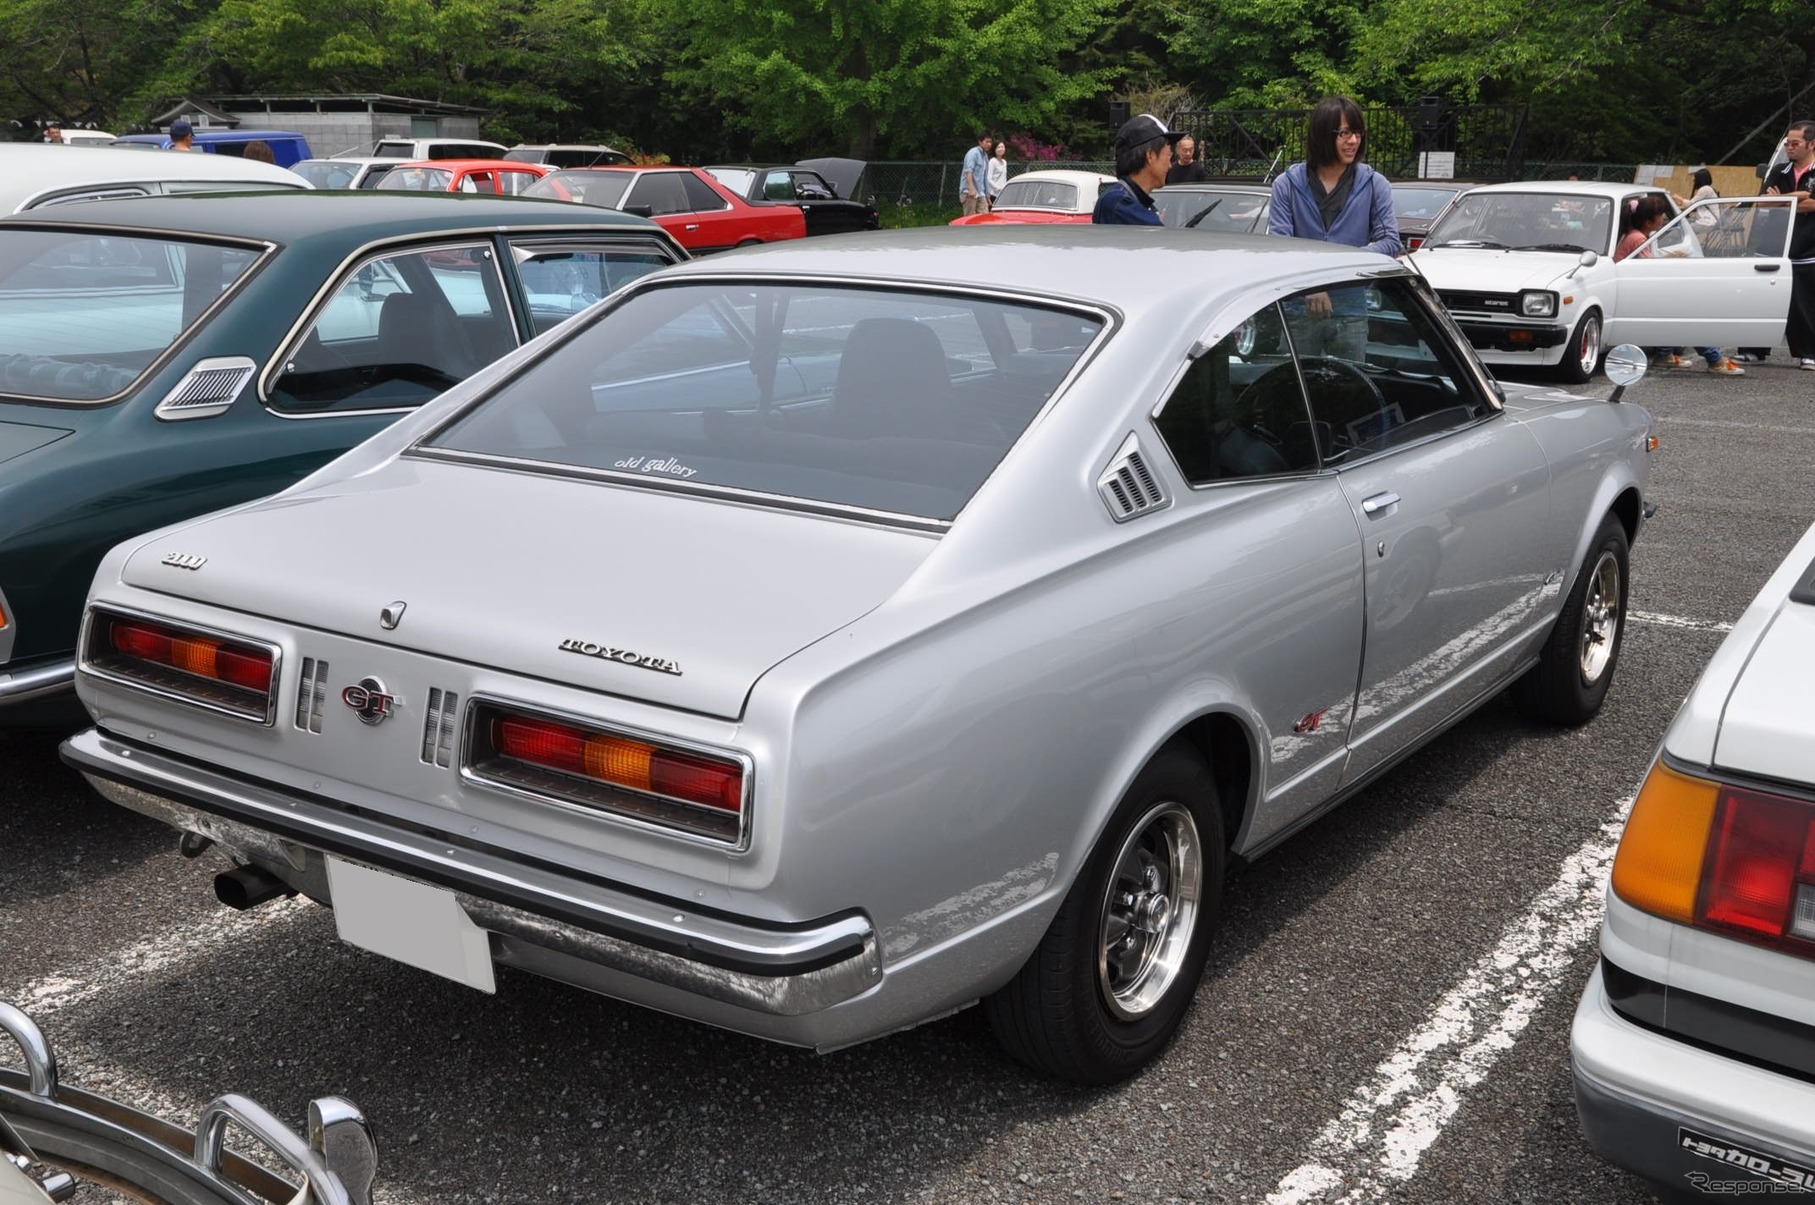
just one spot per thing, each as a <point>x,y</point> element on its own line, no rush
<point>182,135</point>
<point>1143,154</point>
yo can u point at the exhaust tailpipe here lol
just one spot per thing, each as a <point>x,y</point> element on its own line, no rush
<point>249,886</point>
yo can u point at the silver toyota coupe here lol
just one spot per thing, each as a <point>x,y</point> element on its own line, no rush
<point>818,640</point>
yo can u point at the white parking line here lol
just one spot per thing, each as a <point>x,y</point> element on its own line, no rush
<point>1389,1121</point>
<point>1679,621</point>
<point>171,950</point>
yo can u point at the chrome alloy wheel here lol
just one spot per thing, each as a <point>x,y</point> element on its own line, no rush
<point>1150,910</point>
<point>1600,617</point>
<point>1588,349</point>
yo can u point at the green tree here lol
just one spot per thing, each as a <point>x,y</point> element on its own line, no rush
<point>911,75</point>
<point>80,60</point>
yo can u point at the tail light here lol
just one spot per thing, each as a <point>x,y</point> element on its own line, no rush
<point>207,669</point>
<point>1732,860</point>
<point>694,790</point>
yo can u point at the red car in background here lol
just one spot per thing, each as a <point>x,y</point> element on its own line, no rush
<point>1062,195</point>
<point>495,176</point>
<point>702,214</point>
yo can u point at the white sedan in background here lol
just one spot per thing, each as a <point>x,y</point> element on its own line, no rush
<point>1694,1044</point>
<point>1528,271</point>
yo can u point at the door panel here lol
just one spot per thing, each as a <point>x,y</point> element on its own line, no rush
<point>1718,275</point>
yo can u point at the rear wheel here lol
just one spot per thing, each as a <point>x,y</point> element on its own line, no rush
<point>1573,673</point>
<point>1109,984</point>
<point>1584,354</point>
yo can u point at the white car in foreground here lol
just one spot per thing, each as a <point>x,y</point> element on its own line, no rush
<point>1528,271</point>
<point>1694,1044</point>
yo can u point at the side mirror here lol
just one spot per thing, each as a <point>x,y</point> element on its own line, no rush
<point>1625,366</point>
<point>640,211</point>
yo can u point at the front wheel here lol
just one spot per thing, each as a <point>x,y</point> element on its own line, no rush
<point>1584,354</point>
<point>1573,673</point>
<point>1108,986</point>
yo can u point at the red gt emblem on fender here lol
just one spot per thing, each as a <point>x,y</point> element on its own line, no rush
<point>1311,722</point>
<point>367,697</point>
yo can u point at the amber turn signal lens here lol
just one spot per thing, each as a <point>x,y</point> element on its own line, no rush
<point>1658,868</point>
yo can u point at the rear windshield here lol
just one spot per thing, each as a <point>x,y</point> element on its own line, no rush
<point>881,401</point>
<point>587,187</point>
<point>417,179</point>
<point>737,179</point>
<point>1038,194</point>
<point>82,315</point>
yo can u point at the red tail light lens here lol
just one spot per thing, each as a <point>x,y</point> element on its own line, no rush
<point>1760,858</point>
<point>682,788</point>
<point>212,671</point>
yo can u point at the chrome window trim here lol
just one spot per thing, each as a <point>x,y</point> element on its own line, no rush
<point>1110,318</point>
<point>471,776</point>
<point>85,662</point>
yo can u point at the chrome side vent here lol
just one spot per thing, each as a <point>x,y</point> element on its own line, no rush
<point>438,728</point>
<point>208,388</point>
<point>311,693</point>
<point>1128,486</point>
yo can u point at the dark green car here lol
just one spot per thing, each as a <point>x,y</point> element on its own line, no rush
<point>164,357</point>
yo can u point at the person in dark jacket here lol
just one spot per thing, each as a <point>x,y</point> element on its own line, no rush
<point>1185,167</point>
<point>1796,178</point>
<point>1143,155</point>
<point>1334,197</point>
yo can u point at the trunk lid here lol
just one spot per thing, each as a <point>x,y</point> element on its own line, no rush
<point>679,601</point>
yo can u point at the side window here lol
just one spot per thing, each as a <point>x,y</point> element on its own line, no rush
<point>1726,228</point>
<point>1379,369</point>
<point>1239,410</point>
<point>398,330</point>
<point>777,187</point>
<point>477,182</point>
<point>700,197</point>
<point>661,191</point>
<point>561,279</point>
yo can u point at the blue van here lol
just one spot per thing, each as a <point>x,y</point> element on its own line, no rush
<point>287,146</point>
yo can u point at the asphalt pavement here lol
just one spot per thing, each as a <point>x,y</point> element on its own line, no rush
<point>1385,1016</point>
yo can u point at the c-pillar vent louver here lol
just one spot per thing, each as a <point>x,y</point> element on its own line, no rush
<point>1128,486</point>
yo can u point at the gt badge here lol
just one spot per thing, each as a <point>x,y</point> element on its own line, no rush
<point>368,699</point>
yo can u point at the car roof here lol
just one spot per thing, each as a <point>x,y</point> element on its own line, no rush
<point>1232,186</point>
<point>467,165</point>
<point>1067,176</point>
<point>28,169</point>
<point>1587,188</point>
<point>338,217</point>
<point>1136,269</point>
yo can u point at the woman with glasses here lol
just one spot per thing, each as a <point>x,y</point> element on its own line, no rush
<point>1334,197</point>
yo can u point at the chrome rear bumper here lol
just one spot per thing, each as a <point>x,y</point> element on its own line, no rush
<point>779,970</point>
<point>37,681</point>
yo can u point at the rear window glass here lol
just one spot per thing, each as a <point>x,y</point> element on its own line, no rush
<point>587,187</point>
<point>417,179</point>
<point>1037,194</point>
<point>83,315</point>
<point>895,402</point>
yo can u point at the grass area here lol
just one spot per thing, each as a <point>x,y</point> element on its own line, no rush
<point>896,217</point>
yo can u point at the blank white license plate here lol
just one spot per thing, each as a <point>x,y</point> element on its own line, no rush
<point>414,923</point>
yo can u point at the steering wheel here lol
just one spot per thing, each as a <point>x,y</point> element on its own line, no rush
<point>1257,403</point>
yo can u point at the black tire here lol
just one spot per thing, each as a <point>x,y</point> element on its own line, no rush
<point>1583,354</point>
<point>1101,997</point>
<point>1571,677</point>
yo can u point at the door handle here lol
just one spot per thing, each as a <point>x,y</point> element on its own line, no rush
<point>1377,503</point>
<point>692,226</point>
<point>1766,267</point>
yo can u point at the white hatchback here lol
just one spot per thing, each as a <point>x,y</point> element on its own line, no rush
<point>1528,271</point>
<point>1694,1044</point>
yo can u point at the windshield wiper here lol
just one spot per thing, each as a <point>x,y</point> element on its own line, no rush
<point>1571,247</point>
<point>1201,214</point>
<point>1487,244</point>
